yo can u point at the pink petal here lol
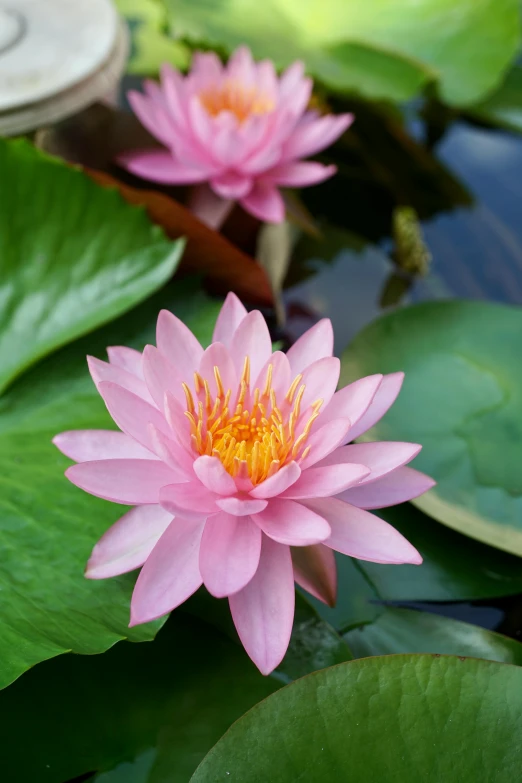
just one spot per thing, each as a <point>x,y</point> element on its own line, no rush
<point>381,457</point>
<point>266,79</point>
<point>212,474</point>
<point>179,426</point>
<point>384,398</point>
<point>291,523</point>
<point>316,572</point>
<point>301,174</point>
<point>152,116</point>
<point>170,574</point>
<point>312,137</point>
<point>251,339</point>
<point>154,91</point>
<point>276,484</point>
<point>242,478</point>
<point>263,611</point>
<point>207,67</point>
<point>161,376</point>
<point>200,121</point>
<point>320,380</point>
<point>173,455</point>
<point>324,440</point>
<point>325,482</point>
<point>290,79</point>
<point>216,355</point>
<point>189,500</point>
<point>126,358</point>
<point>261,161</point>
<point>226,148</point>
<point>229,318</point>
<point>265,203</point>
<point>132,414</point>
<point>173,88</point>
<point>229,553</point>
<point>297,102</point>
<point>241,68</point>
<point>128,543</point>
<point>281,377</point>
<point>241,507</point>
<point>177,343</point>
<point>128,481</point>
<point>352,401</point>
<point>160,166</point>
<point>398,486</point>
<point>103,371</point>
<point>358,533</point>
<point>231,185</point>
<point>314,344</point>
<point>90,445</point>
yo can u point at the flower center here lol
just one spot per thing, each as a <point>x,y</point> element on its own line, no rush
<point>235,97</point>
<point>254,436</point>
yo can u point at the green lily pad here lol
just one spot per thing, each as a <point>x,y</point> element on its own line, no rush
<point>151,46</point>
<point>378,49</point>
<point>406,718</point>
<point>47,526</point>
<point>73,256</point>
<point>407,630</point>
<point>145,709</point>
<point>504,106</point>
<point>462,400</point>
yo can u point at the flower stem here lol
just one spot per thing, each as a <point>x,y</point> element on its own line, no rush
<point>209,207</point>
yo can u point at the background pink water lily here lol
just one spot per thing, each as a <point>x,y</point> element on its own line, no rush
<point>239,128</point>
<point>238,464</point>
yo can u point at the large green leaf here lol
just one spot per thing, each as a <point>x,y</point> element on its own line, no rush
<point>73,256</point>
<point>47,526</point>
<point>462,400</point>
<point>410,631</point>
<point>378,49</point>
<point>162,705</point>
<point>406,718</point>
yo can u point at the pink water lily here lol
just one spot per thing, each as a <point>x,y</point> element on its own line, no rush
<point>239,128</point>
<point>237,463</point>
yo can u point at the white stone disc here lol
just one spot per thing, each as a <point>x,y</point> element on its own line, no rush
<point>48,46</point>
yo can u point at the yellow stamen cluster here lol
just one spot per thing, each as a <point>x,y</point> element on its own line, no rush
<point>235,97</point>
<point>250,443</point>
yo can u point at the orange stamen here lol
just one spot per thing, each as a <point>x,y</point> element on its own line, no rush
<point>255,439</point>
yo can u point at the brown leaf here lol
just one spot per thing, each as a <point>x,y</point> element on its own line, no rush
<point>224,266</point>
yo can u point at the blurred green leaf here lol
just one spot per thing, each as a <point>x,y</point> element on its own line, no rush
<point>151,46</point>
<point>378,49</point>
<point>406,718</point>
<point>157,707</point>
<point>504,106</point>
<point>462,400</point>
<point>409,631</point>
<point>47,526</point>
<point>72,256</point>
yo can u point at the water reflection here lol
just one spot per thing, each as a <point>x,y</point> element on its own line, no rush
<point>477,252</point>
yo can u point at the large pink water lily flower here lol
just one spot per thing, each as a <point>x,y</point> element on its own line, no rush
<point>236,462</point>
<point>238,128</point>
